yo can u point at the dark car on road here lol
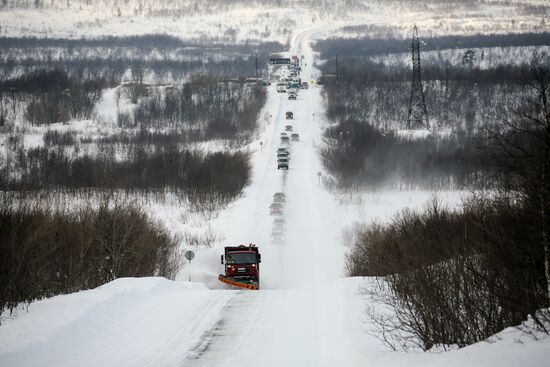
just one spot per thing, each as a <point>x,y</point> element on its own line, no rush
<point>279,222</point>
<point>289,115</point>
<point>276,209</point>
<point>279,197</point>
<point>278,235</point>
<point>283,155</point>
<point>282,163</point>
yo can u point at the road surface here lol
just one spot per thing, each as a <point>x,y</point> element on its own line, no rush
<point>297,318</point>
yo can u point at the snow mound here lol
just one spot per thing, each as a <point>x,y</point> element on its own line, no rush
<point>125,322</point>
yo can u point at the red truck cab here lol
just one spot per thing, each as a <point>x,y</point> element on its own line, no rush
<point>242,264</point>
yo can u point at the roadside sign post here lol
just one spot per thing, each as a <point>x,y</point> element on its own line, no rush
<point>319,175</point>
<point>189,255</point>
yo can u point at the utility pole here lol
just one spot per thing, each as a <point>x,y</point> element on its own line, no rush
<point>12,90</point>
<point>447,94</point>
<point>447,66</point>
<point>418,114</point>
<point>256,66</point>
<point>336,67</point>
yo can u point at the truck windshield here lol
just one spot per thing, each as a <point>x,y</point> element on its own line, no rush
<point>241,258</point>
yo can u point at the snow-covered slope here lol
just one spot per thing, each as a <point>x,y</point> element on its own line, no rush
<point>127,322</point>
<point>238,21</point>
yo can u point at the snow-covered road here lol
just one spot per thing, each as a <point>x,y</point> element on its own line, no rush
<point>297,319</point>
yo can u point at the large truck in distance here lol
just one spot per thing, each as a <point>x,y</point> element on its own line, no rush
<point>242,266</point>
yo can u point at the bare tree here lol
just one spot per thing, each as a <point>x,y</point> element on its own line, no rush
<point>134,91</point>
<point>526,144</point>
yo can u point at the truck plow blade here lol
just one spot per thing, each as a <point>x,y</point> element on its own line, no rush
<point>235,283</point>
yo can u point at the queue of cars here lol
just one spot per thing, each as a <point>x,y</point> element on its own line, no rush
<point>288,135</point>
<point>279,224</point>
<point>291,84</point>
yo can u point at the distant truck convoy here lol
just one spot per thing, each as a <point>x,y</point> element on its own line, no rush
<point>242,266</point>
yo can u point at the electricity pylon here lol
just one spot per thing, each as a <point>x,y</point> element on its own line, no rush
<point>418,114</point>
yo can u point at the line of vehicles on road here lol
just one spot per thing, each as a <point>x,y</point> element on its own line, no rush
<point>290,81</point>
<point>288,135</point>
<point>279,224</point>
<point>242,263</point>
<point>291,87</point>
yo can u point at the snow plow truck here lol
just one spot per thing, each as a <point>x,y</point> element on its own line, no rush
<point>242,266</point>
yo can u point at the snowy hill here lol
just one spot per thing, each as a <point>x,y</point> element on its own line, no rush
<point>231,21</point>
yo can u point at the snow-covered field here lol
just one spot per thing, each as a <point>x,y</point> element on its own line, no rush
<point>307,313</point>
<point>239,21</point>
